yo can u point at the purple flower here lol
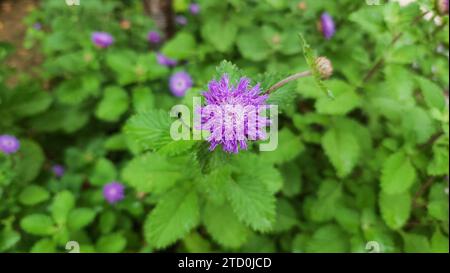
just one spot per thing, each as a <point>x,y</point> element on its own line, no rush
<point>9,144</point>
<point>113,192</point>
<point>232,114</point>
<point>179,83</point>
<point>154,37</point>
<point>102,39</point>
<point>58,170</point>
<point>37,26</point>
<point>326,25</point>
<point>164,60</point>
<point>194,8</point>
<point>442,6</point>
<point>181,20</point>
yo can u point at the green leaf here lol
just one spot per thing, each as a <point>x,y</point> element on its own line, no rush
<point>111,243</point>
<point>224,226</point>
<point>62,204</point>
<point>433,94</point>
<point>289,147</point>
<point>286,216</point>
<point>33,195</point>
<point>152,173</point>
<point>113,104</point>
<point>328,239</point>
<point>219,31</point>
<point>439,242</point>
<point>416,243</point>
<point>345,100</point>
<point>342,148</point>
<point>79,218</point>
<point>143,99</point>
<point>175,215</point>
<point>8,238</point>
<point>252,202</point>
<point>325,206</point>
<point>252,45</point>
<point>38,224</point>
<point>30,163</point>
<point>395,209</point>
<point>182,46</point>
<point>417,125</point>
<point>44,246</point>
<point>398,174</point>
<point>107,221</point>
<point>104,172</point>
<point>150,129</point>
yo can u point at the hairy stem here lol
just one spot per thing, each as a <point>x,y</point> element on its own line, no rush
<point>287,80</point>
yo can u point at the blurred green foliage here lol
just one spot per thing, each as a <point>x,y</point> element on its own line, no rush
<point>371,165</point>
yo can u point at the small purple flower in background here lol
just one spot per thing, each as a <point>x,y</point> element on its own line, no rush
<point>232,129</point>
<point>37,26</point>
<point>326,25</point>
<point>194,8</point>
<point>113,192</point>
<point>9,144</point>
<point>154,37</point>
<point>164,60</point>
<point>58,170</point>
<point>181,20</point>
<point>102,39</point>
<point>442,6</point>
<point>179,83</point>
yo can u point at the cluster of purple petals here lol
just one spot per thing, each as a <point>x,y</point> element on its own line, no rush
<point>113,192</point>
<point>58,170</point>
<point>179,83</point>
<point>164,60</point>
<point>194,8</point>
<point>154,37</point>
<point>232,129</point>
<point>327,26</point>
<point>9,144</point>
<point>181,20</point>
<point>102,39</point>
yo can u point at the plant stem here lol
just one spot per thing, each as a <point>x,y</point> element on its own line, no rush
<point>287,80</point>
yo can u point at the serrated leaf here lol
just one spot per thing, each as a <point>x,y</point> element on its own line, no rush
<point>33,195</point>
<point>342,148</point>
<point>63,202</point>
<point>79,218</point>
<point>175,215</point>
<point>38,224</point>
<point>224,226</point>
<point>395,209</point>
<point>113,104</point>
<point>111,243</point>
<point>252,202</point>
<point>328,239</point>
<point>398,174</point>
<point>152,173</point>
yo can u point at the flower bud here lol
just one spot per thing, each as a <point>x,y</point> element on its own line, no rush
<point>324,67</point>
<point>442,7</point>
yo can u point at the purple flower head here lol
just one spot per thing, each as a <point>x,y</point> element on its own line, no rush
<point>442,7</point>
<point>164,60</point>
<point>102,39</point>
<point>179,83</point>
<point>58,170</point>
<point>326,25</point>
<point>9,144</point>
<point>194,8</point>
<point>181,20</point>
<point>113,192</point>
<point>154,37</point>
<point>233,114</point>
<point>37,26</point>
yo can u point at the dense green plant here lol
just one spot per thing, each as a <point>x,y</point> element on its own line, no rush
<point>369,165</point>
